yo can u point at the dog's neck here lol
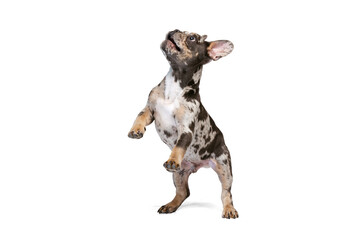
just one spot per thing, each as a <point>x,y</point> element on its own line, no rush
<point>186,77</point>
<point>182,81</point>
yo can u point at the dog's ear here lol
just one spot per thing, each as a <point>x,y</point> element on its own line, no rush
<point>219,49</point>
<point>202,38</point>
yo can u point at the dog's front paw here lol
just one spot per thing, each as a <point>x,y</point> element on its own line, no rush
<point>171,165</point>
<point>230,212</point>
<point>136,132</point>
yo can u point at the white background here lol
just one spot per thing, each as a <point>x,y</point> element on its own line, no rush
<point>74,75</point>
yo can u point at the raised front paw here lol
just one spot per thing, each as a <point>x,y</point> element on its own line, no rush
<point>136,132</point>
<point>171,165</point>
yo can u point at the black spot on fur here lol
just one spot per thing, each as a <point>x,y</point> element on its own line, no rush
<point>202,116</point>
<point>196,137</point>
<point>192,126</point>
<point>181,173</point>
<point>191,82</point>
<point>167,134</point>
<point>192,95</point>
<point>205,156</point>
<point>184,140</point>
<point>196,148</point>
<point>207,139</point>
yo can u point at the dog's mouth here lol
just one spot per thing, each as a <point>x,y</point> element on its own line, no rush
<point>173,43</point>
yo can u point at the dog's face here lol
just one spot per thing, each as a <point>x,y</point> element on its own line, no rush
<point>184,50</point>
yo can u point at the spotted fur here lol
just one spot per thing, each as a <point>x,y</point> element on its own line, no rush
<point>181,120</point>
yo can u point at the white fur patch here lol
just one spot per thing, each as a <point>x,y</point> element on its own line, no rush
<point>172,88</point>
<point>166,108</point>
<point>196,77</point>
<point>165,111</point>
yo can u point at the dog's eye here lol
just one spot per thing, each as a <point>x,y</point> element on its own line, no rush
<point>192,38</point>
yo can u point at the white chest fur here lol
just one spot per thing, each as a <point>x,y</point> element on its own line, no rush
<point>166,107</point>
<point>172,88</point>
<point>165,110</point>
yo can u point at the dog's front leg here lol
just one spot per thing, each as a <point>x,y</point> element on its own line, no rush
<point>185,126</point>
<point>144,118</point>
<point>178,152</point>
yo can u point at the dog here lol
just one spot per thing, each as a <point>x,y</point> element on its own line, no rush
<point>181,120</point>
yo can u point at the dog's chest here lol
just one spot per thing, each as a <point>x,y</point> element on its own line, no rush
<point>166,108</point>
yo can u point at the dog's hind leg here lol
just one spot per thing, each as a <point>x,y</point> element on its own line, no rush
<point>222,166</point>
<point>182,191</point>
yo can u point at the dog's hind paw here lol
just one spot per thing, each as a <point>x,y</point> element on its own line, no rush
<point>230,212</point>
<point>168,208</point>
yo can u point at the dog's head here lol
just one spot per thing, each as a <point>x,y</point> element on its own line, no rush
<point>183,49</point>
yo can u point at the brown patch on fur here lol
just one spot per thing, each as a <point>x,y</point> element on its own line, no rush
<point>177,154</point>
<point>144,118</point>
<point>157,92</point>
<point>180,112</point>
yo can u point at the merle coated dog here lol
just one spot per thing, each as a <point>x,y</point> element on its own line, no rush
<point>182,121</point>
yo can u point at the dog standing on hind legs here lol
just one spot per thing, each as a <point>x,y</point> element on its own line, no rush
<point>182,121</point>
